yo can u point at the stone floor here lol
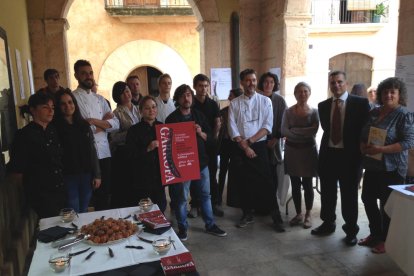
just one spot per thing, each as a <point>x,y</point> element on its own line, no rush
<point>259,250</point>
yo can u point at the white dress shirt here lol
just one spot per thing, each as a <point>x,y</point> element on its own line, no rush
<point>164,109</point>
<point>248,115</point>
<point>343,97</point>
<point>92,105</point>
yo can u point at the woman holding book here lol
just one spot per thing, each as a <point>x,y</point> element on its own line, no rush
<point>142,146</point>
<point>385,141</point>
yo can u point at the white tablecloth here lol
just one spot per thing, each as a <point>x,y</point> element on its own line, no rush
<point>100,261</point>
<point>400,239</point>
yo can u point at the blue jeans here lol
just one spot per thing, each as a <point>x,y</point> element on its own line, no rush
<point>180,196</point>
<point>79,191</point>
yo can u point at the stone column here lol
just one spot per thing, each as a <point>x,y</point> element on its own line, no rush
<point>214,45</point>
<point>48,45</point>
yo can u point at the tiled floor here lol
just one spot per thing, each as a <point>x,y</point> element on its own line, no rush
<point>259,250</point>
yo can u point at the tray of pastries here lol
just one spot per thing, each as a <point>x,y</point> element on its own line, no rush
<point>108,231</point>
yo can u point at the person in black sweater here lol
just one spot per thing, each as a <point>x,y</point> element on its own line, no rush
<point>142,144</point>
<point>80,161</point>
<point>35,158</point>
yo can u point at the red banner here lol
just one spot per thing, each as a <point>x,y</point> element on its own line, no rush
<point>178,152</point>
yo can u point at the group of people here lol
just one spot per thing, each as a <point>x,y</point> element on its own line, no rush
<point>76,147</point>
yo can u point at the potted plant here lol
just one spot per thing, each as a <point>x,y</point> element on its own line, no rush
<point>380,10</point>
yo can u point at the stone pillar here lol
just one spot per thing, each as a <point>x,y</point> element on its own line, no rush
<point>295,51</point>
<point>214,45</point>
<point>48,45</point>
<point>250,35</point>
<point>296,45</point>
<point>405,45</point>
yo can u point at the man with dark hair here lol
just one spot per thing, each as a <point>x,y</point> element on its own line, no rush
<point>51,77</point>
<point>164,102</point>
<point>134,85</point>
<point>250,121</point>
<point>97,112</point>
<point>342,118</point>
<point>210,109</point>
<point>183,98</point>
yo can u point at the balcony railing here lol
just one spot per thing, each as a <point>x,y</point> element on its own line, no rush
<point>146,4</point>
<point>348,11</point>
<point>145,8</point>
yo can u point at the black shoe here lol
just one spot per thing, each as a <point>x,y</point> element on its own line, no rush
<point>245,220</point>
<point>216,231</point>
<point>278,227</point>
<point>350,240</point>
<point>182,235</point>
<point>217,211</point>
<point>324,229</point>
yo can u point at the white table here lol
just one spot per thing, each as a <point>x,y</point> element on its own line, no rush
<point>400,239</point>
<point>100,261</point>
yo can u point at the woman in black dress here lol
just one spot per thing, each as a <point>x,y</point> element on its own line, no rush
<point>142,146</point>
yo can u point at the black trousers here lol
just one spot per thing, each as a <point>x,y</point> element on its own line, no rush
<point>375,186</point>
<point>101,196</point>
<point>225,152</point>
<point>337,168</point>
<point>297,184</point>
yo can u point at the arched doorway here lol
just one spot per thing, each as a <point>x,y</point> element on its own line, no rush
<point>142,53</point>
<point>148,76</point>
<point>358,67</point>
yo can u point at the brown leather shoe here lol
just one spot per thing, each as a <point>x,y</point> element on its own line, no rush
<point>369,241</point>
<point>379,248</point>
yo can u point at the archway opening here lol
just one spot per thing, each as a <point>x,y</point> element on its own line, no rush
<point>148,76</point>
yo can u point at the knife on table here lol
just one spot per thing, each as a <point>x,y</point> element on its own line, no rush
<point>79,252</point>
<point>145,240</point>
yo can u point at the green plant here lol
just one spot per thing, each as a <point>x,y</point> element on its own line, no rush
<point>380,9</point>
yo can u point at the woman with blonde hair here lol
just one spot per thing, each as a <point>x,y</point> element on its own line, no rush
<point>299,125</point>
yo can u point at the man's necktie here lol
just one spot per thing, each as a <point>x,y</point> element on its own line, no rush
<point>336,133</point>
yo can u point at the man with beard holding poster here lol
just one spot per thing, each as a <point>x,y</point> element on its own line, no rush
<point>183,98</point>
<point>96,111</point>
<point>250,121</point>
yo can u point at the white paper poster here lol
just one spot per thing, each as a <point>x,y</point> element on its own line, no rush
<point>20,74</point>
<point>30,74</point>
<point>221,82</point>
<point>404,70</point>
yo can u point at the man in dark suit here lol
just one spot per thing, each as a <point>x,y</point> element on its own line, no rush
<point>342,118</point>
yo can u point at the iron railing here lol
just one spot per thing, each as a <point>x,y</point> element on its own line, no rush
<point>146,4</point>
<point>349,11</point>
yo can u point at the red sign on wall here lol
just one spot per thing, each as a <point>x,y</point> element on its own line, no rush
<point>178,152</point>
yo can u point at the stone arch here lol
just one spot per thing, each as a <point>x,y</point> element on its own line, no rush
<point>205,10</point>
<point>137,53</point>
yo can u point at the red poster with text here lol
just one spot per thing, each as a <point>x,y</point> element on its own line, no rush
<point>178,152</point>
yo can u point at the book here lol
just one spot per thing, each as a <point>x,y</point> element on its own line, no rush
<point>154,219</point>
<point>377,137</point>
<point>177,264</point>
<point>410,188</point>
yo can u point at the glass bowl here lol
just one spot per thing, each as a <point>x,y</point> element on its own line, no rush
<point>59,261</point>
<point>145,204</point>
<point>161,246</point>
